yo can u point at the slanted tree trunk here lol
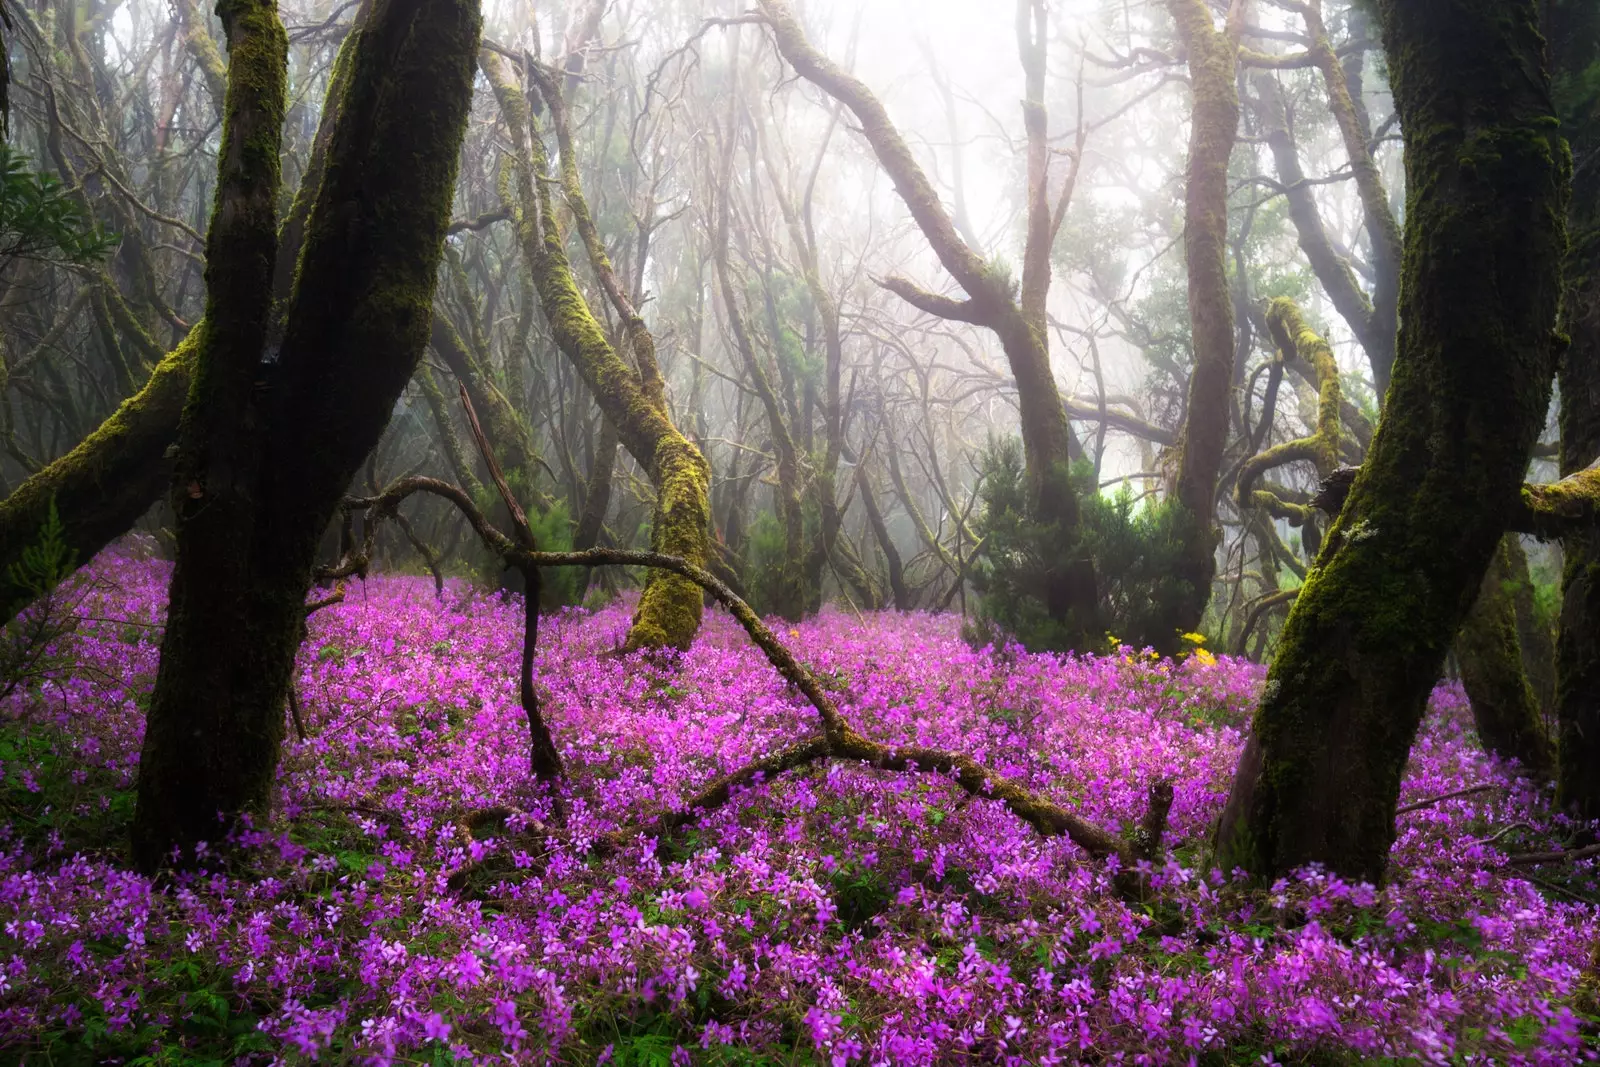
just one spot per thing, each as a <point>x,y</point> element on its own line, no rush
<point>1365,641</point>
<point>1489,648</point>
<point>267,449</point>
<point>1213,126</point>
<point>103,485</point>
<point>886,545</point>
<point>507,431</point>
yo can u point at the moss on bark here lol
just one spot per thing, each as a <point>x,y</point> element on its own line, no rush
<point>103,485</point>
<point>1489,648</point>
<point>669,612</point>
<point>1578,642</point>
<point>1297,340</point>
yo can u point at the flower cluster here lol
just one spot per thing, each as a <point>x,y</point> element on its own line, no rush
<point>834,915</point>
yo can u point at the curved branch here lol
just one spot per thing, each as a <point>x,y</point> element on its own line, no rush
<point>1292,335</point>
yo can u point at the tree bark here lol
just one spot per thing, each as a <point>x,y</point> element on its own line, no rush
<point>269,447</point>
<point>1489,648</point>
<point>1578,639</point>
<point>103,485</point>
<point>633,399</point>
<point>1486,186</point>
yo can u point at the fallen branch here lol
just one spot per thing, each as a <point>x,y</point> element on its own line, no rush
<point>838,740</point>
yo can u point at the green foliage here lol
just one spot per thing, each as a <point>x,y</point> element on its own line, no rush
<point>40,220</point>
<point>45,562</point>
<point>30,645</point>
<point>552,532</point>
<point>765,553</point>
<point>1135,550</point>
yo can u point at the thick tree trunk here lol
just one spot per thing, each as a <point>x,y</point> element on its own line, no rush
<point>1486,185</point>
<point>1213,58</point>
<point>268,449</point>
<point>1489,648</point>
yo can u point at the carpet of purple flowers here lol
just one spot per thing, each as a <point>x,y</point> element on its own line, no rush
<point>837,915</point>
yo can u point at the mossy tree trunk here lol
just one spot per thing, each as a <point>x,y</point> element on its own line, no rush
<point>114,475</point>
<point>1365,641</point>
<point>103,485</point>
<point>1213,127</point>
<point>1489,648</point>
<point>1571,28</point>
<point>632,398</point>
<point>267,449</point>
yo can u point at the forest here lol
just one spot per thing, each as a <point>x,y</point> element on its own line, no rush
<point>799,532</point>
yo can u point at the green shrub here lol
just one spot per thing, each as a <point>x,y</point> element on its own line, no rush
<point>39,219</point>
<point>1134,547</point>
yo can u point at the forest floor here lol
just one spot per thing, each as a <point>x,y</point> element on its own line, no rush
<point>837,915</point>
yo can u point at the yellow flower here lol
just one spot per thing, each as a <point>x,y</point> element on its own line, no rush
<point>1200,655</point>
<point>1194,639</point>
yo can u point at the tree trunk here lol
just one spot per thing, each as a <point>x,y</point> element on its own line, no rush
<point>1578,641</point>
<point>633,400</point>
<point>1489,648</point>
<point>269,448</point>
<point>1486,185</point>
<point>508,433</point>
<point>880,531</point>
<point>1017,319</point>
<point>1213,126</point>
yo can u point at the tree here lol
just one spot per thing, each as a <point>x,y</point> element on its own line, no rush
<point>1365,641</point>
<point>1016,315</point>
<point>267,447</point>
<point>1213,59</point>
<point>633,398</point>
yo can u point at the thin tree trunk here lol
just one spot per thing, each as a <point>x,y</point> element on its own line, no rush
<point>1213,58</point>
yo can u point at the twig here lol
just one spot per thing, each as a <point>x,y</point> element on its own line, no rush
<point>336,597</point>
<point>1431,801</point>
<point>839,740</point>
<point>294,712</point>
